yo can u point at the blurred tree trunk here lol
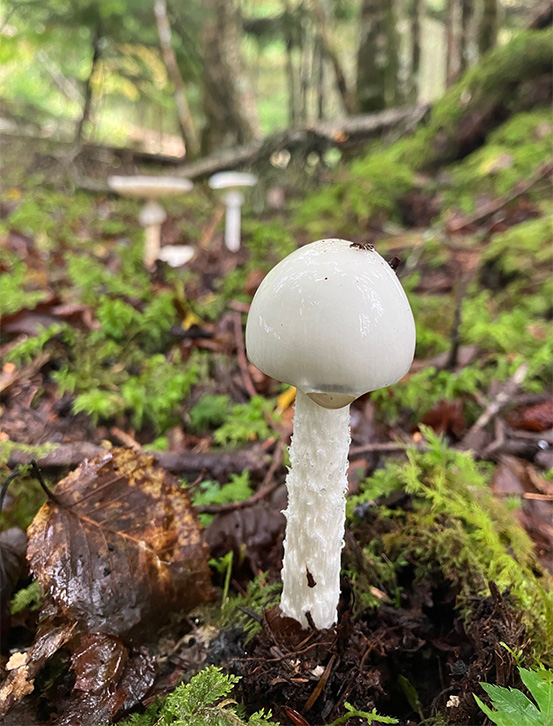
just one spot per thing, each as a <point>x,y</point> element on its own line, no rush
<point>452,44</point>
<point>290,40</point>
<point>184,117</point>
<point>87,104</point>
<point>228,101</point>
<point>487,30</point>
<point>467,17</point>
<point>324,26</point>
<point>415,21</point>
<point>377,56</point>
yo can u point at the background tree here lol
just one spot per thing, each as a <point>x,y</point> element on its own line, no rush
<point>228,102</point>
<point>377,56</point>
<point>487,29</point>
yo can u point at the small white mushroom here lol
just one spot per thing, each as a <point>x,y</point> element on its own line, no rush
<point>333,320</point>
<point>233,199</point>
<point>152,215</point>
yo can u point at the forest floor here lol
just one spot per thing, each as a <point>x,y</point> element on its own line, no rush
<point>125,392</point>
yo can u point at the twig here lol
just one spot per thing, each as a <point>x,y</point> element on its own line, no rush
<point>321,684</point>
<point>241,354</point>
<point>125,439</point>
<point>384,447</point>
<point>267,487</point>
<point>497,204</point>
<point>496,404</point>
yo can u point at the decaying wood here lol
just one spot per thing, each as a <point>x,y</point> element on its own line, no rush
<point>185,463</point>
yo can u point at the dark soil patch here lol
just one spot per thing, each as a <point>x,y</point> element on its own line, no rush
<point>410,663</point>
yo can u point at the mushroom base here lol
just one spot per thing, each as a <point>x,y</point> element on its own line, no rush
<point>316,512</point>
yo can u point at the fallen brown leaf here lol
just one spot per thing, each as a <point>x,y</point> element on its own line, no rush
<point>121,545</point>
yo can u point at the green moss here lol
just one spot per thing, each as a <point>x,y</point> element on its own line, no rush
<point>514,152</point>
<point>457,527</point>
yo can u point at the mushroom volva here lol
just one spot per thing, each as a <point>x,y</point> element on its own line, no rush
<point>333,320</point>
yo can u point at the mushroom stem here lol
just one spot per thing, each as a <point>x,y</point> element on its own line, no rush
<point>233,202</point>
<point>152,245</point>
<point>316,512</point>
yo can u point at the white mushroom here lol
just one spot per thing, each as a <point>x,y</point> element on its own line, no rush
<point>233,199</point>
<point>152,215</point>
<point>333,320</point>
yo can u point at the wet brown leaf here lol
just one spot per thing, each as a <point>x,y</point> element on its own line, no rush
<point>23,667</point>
<point>13,543</point>
<point>109,679</point>
<point>538,417</point>
<point>121,546</point>
<point>446,417</point>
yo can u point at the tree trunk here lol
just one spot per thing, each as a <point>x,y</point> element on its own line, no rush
<point>452,52</point>
<point>467,16</point>
<point>329,45</point>
<point>228,101</point>
<point>487,30</point>
<point>87,105</point>
<point>184,117</point>
<point>415,19</point>
<point>377,56</point>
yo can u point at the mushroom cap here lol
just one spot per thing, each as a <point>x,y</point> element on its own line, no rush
<point>176,255</point>
<point>226,179</point>
<point>149,187</point>
<point>152,213</point>
<point>333,320</point>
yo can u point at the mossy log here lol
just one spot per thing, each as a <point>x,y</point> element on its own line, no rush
<point>511,78</point>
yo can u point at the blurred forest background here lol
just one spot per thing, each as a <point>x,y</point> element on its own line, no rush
<point>143,458</point>
<point>166,77</point>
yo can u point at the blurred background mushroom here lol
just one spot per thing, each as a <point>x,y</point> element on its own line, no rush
<point>231,181</point>
<point>152,214</point>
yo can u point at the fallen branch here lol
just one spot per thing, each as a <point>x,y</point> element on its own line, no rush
<point>497,204</point>
<point>185,463</point>
<point>495,406</point>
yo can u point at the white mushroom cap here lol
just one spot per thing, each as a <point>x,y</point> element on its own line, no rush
<point>176,255</point>
<point>149,187</point>
<point>230,179</point>
<point>333,320</point>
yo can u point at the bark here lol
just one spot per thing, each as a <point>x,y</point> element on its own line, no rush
<point>452,50</point>
<point>229,103</point>
<point>487,30</point>
<point>467,17</point>
<point>415,20</point>
<point>184,117</point>
<point>329,46</point>
<point>87,105</point>
<point>377,56</point>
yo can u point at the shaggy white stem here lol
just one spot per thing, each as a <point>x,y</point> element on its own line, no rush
<point>316,512</point>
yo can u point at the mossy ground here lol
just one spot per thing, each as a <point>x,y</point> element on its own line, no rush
<point>104,346</point>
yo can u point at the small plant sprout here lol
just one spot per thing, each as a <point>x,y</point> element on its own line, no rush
<point>333,320</point>
<point>231,181</point>
<point>152,215</point>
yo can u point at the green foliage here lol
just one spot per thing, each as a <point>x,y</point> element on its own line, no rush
<point>205,701</point>
<point>15,291</point>
<point>513,708</point>
<point>246,422</point>
<point>369,189</point>
<point>259,597</point>
<point>424,388</point>
<point>210,411</point>
<point>29,349</point>
<point>368,717</point>
<point>513,152</point>
<point>459,527</point>
<point>29,597</point>
<point>236,489</point>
